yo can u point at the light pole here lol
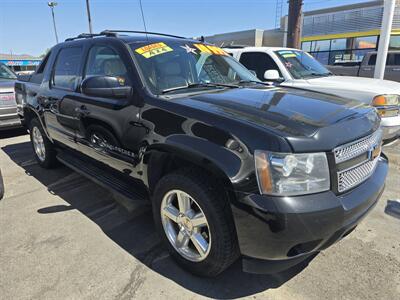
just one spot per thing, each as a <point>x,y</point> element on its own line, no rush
<point>52,5</point>
<point>89,18</point>
<point>384,40</point>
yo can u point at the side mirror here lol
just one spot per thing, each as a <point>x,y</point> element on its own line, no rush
<point>106,87</point>
<point>272,75</point>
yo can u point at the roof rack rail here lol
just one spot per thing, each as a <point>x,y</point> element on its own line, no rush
<point>90,35</point>
<point>141,32</point>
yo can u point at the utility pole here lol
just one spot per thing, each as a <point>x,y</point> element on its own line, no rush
<point>52,5</point>
<point>89,17</point>
<point>294,23</point>
<point>384,40</point>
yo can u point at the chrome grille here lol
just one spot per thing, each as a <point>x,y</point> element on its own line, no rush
<point>351,177</point>
<point>354,149</point>
<point>356,174</point>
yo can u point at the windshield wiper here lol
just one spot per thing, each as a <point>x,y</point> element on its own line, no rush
<point>320,74</point>
<point>253,81</point>
<point>200,85</point>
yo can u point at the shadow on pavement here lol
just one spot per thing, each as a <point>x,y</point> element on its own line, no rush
<point>9,133</point>
<point>134,231</point>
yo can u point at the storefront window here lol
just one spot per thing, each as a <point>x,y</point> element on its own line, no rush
<point>366,42</point>
<point>338,56</point>
<point>339,44</point>
<point>306,46</point>
<point>359,54</point>
<point>323,45</point>
<point>395,42</point>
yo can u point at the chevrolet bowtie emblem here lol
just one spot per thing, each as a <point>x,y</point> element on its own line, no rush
<point>374,152</point>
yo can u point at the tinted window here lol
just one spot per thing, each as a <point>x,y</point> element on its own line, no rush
<point>6,73</point>
<point>176,66</point>
<point>396,60</point>
<point>104,61</point>
<point>42,65</point>
<point>258,62</point>
<point>66,68</point>
<point>372,60</point>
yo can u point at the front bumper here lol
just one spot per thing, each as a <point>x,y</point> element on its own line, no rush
<point>390,127</point>
<point>289,229</point>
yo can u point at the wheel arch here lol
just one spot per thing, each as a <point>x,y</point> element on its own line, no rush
<point>162,159</point>
<point>29,114</point>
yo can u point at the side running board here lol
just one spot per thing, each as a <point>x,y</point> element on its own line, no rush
<point>107,177</point>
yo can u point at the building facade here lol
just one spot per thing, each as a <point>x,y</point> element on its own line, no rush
<point>20,63</point>
<point>330,35</point>
<point>252,37</point>
<point>347,32</point>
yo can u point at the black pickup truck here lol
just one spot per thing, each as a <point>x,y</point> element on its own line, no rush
<point>233,168</point>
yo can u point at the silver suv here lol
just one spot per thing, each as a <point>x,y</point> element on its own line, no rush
<point>9,117</point>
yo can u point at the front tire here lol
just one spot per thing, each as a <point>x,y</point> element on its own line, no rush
<point>192,215</point>
<point>43,149</point>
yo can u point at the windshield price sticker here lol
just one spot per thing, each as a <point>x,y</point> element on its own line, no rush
<point>210,49</point>
<point>153,49</point>
<point>287,54</point>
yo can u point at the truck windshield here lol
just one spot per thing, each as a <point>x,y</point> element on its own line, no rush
<point>301,64</point>
<point>174,67</point>
<point>6,73</point>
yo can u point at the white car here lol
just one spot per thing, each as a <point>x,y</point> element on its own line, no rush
<point>296,68</point>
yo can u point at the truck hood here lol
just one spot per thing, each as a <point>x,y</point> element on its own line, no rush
<point>294,114</point>
<point>359,88</point>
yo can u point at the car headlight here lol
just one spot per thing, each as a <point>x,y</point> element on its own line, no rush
<point>289,174</point>
<point>387,105</point>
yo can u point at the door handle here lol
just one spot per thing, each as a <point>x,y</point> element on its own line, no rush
<point>396,69</point>
<point>82,111</point>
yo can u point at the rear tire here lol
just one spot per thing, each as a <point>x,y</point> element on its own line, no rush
<point>43,149</point>
<point>181,232</point>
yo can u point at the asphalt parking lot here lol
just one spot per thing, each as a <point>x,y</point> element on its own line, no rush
<point>64,237</point>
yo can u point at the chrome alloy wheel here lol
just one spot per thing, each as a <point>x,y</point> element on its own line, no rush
<point>38,143</point>
<point>185,225</point>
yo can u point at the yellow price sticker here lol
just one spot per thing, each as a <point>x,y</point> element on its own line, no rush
<point>153,49</point>
<point>289,55</point>
<point>210,49</point>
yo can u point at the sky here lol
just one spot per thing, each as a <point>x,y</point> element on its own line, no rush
<point>26,25</point>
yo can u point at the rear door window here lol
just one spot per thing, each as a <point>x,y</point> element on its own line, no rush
<point>372,60</point>
<point>66,68</point>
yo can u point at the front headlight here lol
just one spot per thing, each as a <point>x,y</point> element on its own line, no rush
<point>289,174</point>
<point>387,105</point>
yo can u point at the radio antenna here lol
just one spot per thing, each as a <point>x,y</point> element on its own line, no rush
<point>143,19</point>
